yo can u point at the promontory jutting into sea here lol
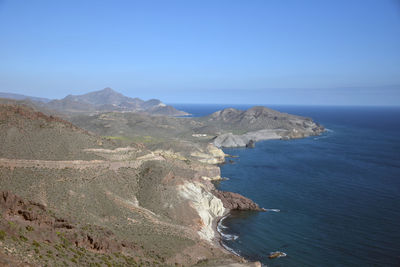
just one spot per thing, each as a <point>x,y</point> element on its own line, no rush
<point>158,180</point>
<point>152,174</point>
<point>199,133</point>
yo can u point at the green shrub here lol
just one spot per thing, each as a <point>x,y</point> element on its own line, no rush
<point>2,235</point>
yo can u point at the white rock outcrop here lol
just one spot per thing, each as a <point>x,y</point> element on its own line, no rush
<point>212,155</point>
<point>231,140</point>
<point>206,204</point>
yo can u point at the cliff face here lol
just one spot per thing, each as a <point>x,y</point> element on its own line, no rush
<point>207,205</point>
<point>211,155</point>
<point>150,202</point>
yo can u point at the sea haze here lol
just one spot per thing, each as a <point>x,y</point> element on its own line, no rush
<point>338,194</point>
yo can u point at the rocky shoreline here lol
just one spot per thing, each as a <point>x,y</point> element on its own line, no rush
<point>160,195</point>
<point>219,243</point>
<point>250,138</point>
<point>233,201</point>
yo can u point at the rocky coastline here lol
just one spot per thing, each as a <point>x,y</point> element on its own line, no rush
<point>154,184</point>
<point>250,138</point>
<point>233,201</point>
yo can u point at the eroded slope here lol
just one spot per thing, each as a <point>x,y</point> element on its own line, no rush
<point>149,207</point>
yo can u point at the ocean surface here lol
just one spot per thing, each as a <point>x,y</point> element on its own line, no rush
<point>336,196</point>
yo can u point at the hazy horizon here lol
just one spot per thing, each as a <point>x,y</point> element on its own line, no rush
<point>172,100</point>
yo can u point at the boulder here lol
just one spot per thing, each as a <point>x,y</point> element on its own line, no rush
<point>251,144</point>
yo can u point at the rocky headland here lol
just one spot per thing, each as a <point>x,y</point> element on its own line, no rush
<point>259,123</point>
<point>235,201</point>
<point>124,188</point>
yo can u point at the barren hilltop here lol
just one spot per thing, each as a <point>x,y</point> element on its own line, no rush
<point>122,188</point>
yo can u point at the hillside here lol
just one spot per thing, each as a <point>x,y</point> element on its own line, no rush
<point>225,128</point>
<point>123,188</point>
<point>69,197</point>
<point>29,134</point>
<point>245,127</point>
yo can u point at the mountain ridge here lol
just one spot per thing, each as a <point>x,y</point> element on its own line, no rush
<point>105,100</point>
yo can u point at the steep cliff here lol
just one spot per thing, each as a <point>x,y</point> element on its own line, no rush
<point>207,205</point>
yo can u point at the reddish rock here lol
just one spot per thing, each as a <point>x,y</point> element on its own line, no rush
<point>235,201</point>
<point>47,227</point>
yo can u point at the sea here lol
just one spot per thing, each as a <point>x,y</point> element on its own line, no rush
<point>332,200</point>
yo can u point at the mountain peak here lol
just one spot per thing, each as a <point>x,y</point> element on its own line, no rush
<point>108,99</point>
<point>108,90</point>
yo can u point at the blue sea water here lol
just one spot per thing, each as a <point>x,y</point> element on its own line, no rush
<point>338,193</point>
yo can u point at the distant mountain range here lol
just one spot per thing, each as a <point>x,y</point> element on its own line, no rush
<point>105,100</point>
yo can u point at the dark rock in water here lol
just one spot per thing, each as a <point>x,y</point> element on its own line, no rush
<point>231,161</point>
<point>235,201</point>
<point>276,254</point>
<point>251,144</point>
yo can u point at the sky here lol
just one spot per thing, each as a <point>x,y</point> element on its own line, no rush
<point>302,52</point>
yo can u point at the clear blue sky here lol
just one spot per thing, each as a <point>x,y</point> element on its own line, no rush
<point>248,51</point>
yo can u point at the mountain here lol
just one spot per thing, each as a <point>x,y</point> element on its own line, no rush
<point>23,97</point>
<point>109,100</point>
<point>106,100</point>
<point>107,96</point>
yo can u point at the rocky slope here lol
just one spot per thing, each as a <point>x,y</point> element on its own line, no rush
<point>116,205</point>
<point>225,128</point>
<point>39,231</point>
<point>142,182</point>
<point>28,134</point>
<point>258,123</point>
